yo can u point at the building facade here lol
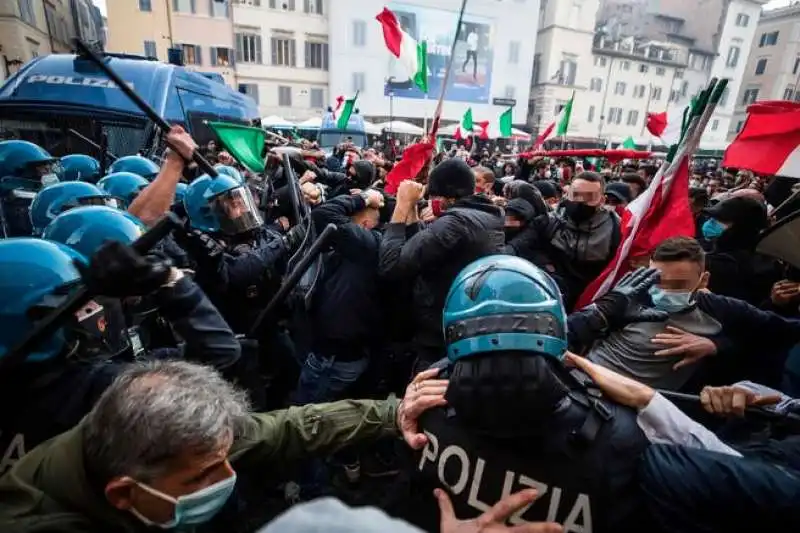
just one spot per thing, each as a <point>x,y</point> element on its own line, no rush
<point>623,59</point>
<point>491,69</point>
<point>282,55</point>
<point>772,71</point>
<point>201,29</point>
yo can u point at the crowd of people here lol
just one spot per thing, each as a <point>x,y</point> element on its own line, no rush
<point>207,387</point>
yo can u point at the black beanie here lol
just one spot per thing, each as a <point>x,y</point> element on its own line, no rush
<point>451,179</point>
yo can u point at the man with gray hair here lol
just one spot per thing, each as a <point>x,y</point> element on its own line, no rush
<point>159,449</point>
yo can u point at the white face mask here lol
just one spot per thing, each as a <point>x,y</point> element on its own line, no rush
<point>49,179</point>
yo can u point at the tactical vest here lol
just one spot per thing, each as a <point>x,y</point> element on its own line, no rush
<point>583,466</point>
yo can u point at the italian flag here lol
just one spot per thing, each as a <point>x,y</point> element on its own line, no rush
<point>560,126</point>
<point>769,143</point>
<point>666,126</point>
<point>347,112</point>
<point>505,123</point>
<point>413,55</point>
<point>464,130</point>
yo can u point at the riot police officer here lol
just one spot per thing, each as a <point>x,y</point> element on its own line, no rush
<point>517,418</point>
<point>79,167</point>
<point>59,197</point>
<point>24,169</point>
<point>135,164</point>
<point>56,385</point>
<point>124,186</point>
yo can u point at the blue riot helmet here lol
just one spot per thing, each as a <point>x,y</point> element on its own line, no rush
<point>124,186</point>
<point>79,167</point>
<point>85,229</point>
<point>180,192</point>
<point>55,199</point>
<point>230,171</point>
<point>221,205</point>
<point>23,159</point>
<point>35,277</point>
<point>504,303</point>
<point>135,164</point>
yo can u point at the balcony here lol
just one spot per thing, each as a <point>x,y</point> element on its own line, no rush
<point>648,51</point>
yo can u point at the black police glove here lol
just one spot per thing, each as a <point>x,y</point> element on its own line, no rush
<point>199,245</point>
<point>118,271</point>
<point>294,237</point>
<point>619,306</point>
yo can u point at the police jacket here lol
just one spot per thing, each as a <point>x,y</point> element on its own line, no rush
<point>53,489</point>
<point>346,309</point>
<point>471,229</point>
<point>586,478</point>
<point>41,400</point>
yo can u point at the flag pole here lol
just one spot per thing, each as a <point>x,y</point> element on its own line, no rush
<point>425,107</point>
<point>437,114</point>
<point>647,106</point>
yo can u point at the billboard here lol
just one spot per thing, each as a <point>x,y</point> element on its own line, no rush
<point>471,78</point>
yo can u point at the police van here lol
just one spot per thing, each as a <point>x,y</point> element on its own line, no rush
<point>330,136</point>
<point>58,101</point>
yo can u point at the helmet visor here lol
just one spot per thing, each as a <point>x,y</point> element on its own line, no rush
<point>236,211</point>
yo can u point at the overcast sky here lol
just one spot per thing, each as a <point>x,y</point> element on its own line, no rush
<point>774,3</point>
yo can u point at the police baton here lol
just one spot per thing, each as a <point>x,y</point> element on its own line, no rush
<point>754,411</point>
<point>85,51</point>
<point>294,190</point>
<point>294,277</point>
<point>47,325</point>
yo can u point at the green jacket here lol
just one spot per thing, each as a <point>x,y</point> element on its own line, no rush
<point>47,490</point>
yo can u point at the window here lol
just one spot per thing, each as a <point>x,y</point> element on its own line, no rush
<point>655,93</point>
<point>788,93</point>
<point>27,12</point>
<point>358,81</point>
<point>567,71</point>
<point>359,33</point>
<point>513,52</point>
<point>510,91</point>
<point>643,69</point>
<point>559,106</point>
<point>284,96</point>
<point>742,20</point>
<point>625,65</point>
<point>317,98</point>
<point>633,117</point>
<point>316,55</point>
<point>768,39</point>
<point>684,88</point>
<point>590,118</point>
<point>714,125</point>
<point>739,126</point>
<point>221,56</point>
<point>283,52</point>
<point>145,5</point>
<point>150,49</point>
<point>283,4</point>
<point>250,89</point>
<point>619,88</point>
<point>674,96</point>
<point>252,3</point>
<point>596,85</point>
<point>660,71</point>
<point>678,74</point>
<point>219,9</point>
<point>796,66</point>
<point>761,66</point>
<point>248,48</point>
<point>750,96</point>
<point>599,61</point>
<point>615,115</point>
<point>733,56</point>
<point>192,54</point>
<point>183,6</point>
<point>638,91</point>
<point>313,7</point>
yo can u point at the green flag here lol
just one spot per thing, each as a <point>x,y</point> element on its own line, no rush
<point>466,122</point>
<point>629,143</point>
<point>243,142</point>
<point>505,123</point>
<point>562,121</point>
<point>421,76</point>
<point>347,112</point>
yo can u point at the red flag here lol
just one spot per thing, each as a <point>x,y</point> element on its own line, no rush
<point>339,102</point>
<point>484,125</point>
<point>660,212</point>
<point>468,143</point>
<point>657,123</point>
<point>769,142</point>
<point>544,136</point>
<point>415,157</point>
<point>392,33</point>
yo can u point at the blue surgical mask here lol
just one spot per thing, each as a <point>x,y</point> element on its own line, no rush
<point>712,229</point>
<point>191,509</point>
<point>671,302</point>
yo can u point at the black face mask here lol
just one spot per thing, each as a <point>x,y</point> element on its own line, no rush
<point>578,212</point>
<point>512,232</point>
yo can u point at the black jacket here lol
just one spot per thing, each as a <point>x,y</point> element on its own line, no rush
<point>433,257</point>
<point>346,310</point>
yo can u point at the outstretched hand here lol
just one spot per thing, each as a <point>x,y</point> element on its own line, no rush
<point>493,520</point>
<point>423,393</point>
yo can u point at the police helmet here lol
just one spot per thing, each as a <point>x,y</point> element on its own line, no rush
<point>24,159</point>
<point>85,229</point>
<point>35,276</point>
<point>230,171</point>
<point>136,164</point>
<point>180,192</point>
<point>221,205</point>
<point>124,186</point>
<point>57,198</point>
<point>79,167</point>
<point>501,303</point>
